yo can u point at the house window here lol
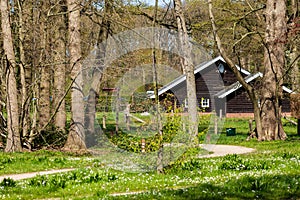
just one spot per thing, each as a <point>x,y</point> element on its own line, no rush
<point>204,103</point>
<point>186,104</point>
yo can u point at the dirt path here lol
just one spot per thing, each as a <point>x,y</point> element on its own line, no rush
<point>218,150</point>
<point>223,150</point>
<point>32,174</point>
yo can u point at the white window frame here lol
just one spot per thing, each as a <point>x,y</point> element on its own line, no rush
<point>204,103</point>
<point>186,103</point>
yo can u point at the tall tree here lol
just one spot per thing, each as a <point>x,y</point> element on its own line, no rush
<point>13,138</point>
<point>44,100</point>
<point>104,31</point>
<point>274,62</point>
<point>267,114</point>
<point>188,68</point>
<point>24,121</point>
<point>294,18</point>
<point>76,136</point>
<point>59,54</point>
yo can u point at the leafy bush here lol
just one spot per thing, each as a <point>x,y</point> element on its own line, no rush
<point>133,143</point>
<point>51,137</point>
<point>8,182</point>
<point>71,178</point>
<point>235,162</point>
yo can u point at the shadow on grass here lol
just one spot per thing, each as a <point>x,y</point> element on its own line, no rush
<point>247,187</point>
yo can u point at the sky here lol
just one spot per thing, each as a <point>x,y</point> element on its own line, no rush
<point>152,2</point>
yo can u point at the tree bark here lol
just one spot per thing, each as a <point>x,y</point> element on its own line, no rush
<point>274,62</point>
<point>13,143</point>
<point>295,76</point>
<point>76,136</point>
<point>44,100</point>
<point>60,68</point>
<point>24,96</point>
<point>188,69</point>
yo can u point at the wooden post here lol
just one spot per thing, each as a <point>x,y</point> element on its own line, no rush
<point>295,109</point>
<point>216,124</point>
<point>143,141</point>
<point>127,117</point>
<point>104,121</point>
<point>117,110</point>
<point>250,126</point>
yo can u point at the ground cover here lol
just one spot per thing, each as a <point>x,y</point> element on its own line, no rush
<point>271,172</point>
<point>15,163</point>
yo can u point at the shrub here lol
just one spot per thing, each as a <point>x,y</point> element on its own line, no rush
<point>8,182</point>
<point>72,178</point>
<point>171,129</point>
<point>235,162</point>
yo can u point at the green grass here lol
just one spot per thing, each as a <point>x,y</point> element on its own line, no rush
<point>271,172</point>
<point>15,163</point>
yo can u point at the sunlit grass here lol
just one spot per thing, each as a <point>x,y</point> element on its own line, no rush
<point>271,172</point>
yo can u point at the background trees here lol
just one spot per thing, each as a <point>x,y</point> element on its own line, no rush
<point>41,55</point>
<point>268,111</point>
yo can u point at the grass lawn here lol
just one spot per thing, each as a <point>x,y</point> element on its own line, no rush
<point>272,172</point>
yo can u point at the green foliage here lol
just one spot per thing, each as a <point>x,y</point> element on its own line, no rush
<point>129,142</point>
<point>235,162</point>
<point>39,161</point>
<point>76,177</point>
<point>187,161</point>
<point>272,172</point>
<point>8,182</point>
<point>203,124</point>
<point>51,137</point>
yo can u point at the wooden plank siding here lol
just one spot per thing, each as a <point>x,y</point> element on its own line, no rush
<point>209,82</point>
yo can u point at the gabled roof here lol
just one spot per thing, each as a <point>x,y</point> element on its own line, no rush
<point>235,86</point>
<point>198,68</point>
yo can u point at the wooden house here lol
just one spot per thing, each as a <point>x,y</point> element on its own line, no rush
<point>218,89</point>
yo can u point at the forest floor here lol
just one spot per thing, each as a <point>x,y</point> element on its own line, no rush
<point>216,149</point>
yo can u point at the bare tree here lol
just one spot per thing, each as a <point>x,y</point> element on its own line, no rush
<point>90,112</point>
<point>24,121</point>
<point>76,137</point>
<point>59,55</point>
<point>188,68</point>
<point>13,138</point>
<point>295,76</point>
<point>267,114</point>
<point>44,99</point>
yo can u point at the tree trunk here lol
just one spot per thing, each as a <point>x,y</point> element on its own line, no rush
<point>60,69</point>
<point>13,138</point>
<point>295,75</point>
<point>76,137</point>
<point>90,113</point>
<point>24,98</point>
<point>44,100</point>
<point>274,62</point>
<point>188,69</point>
<point>249,89</point>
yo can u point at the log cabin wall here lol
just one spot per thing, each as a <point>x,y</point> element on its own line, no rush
<point>208,84</point>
